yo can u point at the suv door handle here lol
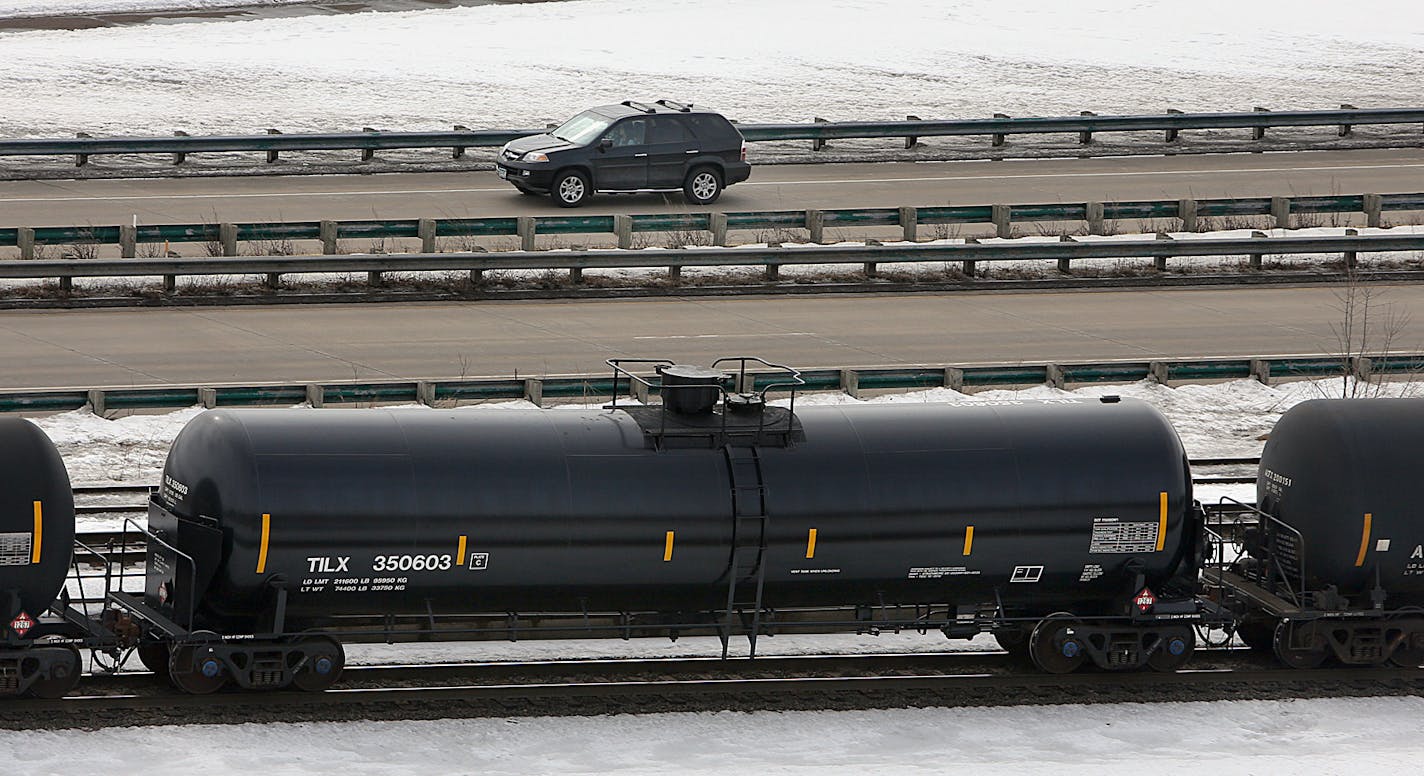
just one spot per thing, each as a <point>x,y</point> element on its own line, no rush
<point>639,155</point>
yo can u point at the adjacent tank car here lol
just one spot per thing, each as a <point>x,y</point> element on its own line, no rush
<point>712,507</point>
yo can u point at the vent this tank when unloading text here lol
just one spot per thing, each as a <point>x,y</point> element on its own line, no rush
<point>36,521</point>
<point>1347,474</point>
<point>412,511</point>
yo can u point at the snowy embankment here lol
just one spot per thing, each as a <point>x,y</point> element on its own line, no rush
<point>507,65</point>
<point>1335,736</point>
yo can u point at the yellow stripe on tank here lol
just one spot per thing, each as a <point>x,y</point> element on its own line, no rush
<point>1364,540</point>
<point>811,544</point>
<point>968,540</point>
<point>667,547</point>
<point>39,532</point>
<point>460,554</point>
<point>262,551</point>
<point>1161,520</point>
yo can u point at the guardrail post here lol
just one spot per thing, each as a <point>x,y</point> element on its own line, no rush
<point>1280,210</point>
<point>273,155</point>
<point>524,227</point>
<point>1003,226</point>
<point>66,285</point>
<point>208,397</point>
<point>1351,257</point>
<point>273,281</point>
<point>458,152</point>
<point>425,393</point>
<point>1053,376</point>
<point>1187,212</point>
<point>81,159</point>
<point>316,395</point>
<point>1259,133</point>
<point>638,391</point>
<point>128,241</point>
<point>623,230</point>
<point>328,238</point>
<point>816,226</point>
<point>96,401</point>
<point>1086,136</point>
<point>367,154</point>
<point>1261,370</point>
<point>25,240</point>
<point>375,279</point>
<point>425,230</point>
<point>1157,372</point>
<point>999,137</point>
<point>227,235</point>
<point>850,383</point>
<point>909,224</point>
<point>179,156</point>
<point>674,275</point>
<point>1161,261</point>
<point>1345,129</point>
<point>477,276</point>
<point>575,275</point>
<point>969,264</point>
<point>1171,134</point>
<point>718,222</point>
<point>954,378</point>
<point>1361,367</point>
<point>1256,257</point>
<point>773,271</point>
<point>534,391</point>
<point>170,284</point>
<point>1065,266</point>
<point>818,143</point>
<point>1372,206</point>
<point>910,140</point>
<point>1093,211</point>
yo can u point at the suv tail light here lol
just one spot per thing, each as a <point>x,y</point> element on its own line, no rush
<point>744,150</point>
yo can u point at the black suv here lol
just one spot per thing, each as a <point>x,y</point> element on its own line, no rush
<point>631,146</point>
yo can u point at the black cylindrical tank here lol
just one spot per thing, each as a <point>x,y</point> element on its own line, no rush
<point>1346,474</point>
<point>1062,502</point>
<point>36,521</point>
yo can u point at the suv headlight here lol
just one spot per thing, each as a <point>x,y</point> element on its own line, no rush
<point>535,156</point>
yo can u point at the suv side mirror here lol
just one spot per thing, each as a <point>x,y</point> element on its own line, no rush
<point>605,144</point>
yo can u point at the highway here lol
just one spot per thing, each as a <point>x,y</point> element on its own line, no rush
<point>124,347</point>
<point>779,187</point>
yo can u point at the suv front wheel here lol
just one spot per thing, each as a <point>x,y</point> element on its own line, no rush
<point>570,189</point>
<point>703,186</point>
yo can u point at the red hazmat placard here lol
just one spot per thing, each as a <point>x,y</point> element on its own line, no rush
<point>1144,600</point>
<point>22,624</point>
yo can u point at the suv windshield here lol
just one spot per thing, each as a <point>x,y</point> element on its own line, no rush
<point>582,128</point>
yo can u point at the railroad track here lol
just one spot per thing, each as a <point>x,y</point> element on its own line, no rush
<point>700,684</point>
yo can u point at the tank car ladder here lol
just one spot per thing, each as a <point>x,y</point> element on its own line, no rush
<point>746,574</point>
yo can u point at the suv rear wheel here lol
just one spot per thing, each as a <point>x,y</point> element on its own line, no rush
<point>570,189</point>
<point>703,186</point>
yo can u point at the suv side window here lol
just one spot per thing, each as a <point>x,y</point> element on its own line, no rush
<point>629,132</point>
<point>709,127</point>
<point>667,129</point>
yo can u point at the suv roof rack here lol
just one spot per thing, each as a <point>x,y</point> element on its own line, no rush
<point>677,106</point>
<point>640,106</point>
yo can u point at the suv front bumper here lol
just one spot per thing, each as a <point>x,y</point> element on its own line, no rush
<point>525,176</point>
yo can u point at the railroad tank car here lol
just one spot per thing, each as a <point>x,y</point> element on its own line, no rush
<point>1024,507</point>
<point>1339,481</point>
<point>36,546</point>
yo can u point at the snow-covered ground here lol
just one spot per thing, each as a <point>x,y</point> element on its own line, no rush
<point>521,64</point>
<point>1324,737</point>
<point>24,8</point>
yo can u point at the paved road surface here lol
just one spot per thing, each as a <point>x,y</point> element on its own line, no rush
<point>781,187</point>
<point>414,341</point>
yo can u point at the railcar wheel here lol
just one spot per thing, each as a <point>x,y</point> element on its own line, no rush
<point>1176,648</point>
<point>155,658</point>
<point>1300,645</point>
<point>1259,635</point>
<point>196,668</point>
<point>1053,646</point>
<point>1410,654</point>
<point>1013,641</point>
<point>64,672</point>
<point>324,660</point>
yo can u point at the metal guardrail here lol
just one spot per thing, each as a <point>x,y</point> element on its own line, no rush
<point>224,237</point>
<point>370,140</point>
<point>596,387</point>
<point>869,256</point>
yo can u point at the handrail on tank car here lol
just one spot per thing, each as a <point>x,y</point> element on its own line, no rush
<point>192,569</point>
<point>79,577</point>
<point>1267,521</point>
